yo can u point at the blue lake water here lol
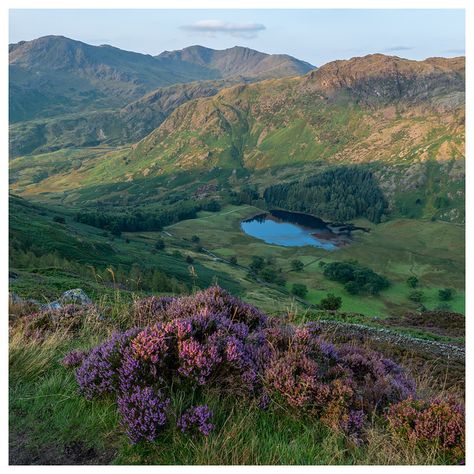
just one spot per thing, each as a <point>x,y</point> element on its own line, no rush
<point>290,229</point>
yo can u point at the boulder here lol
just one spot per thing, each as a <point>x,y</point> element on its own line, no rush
<point>75,296</point>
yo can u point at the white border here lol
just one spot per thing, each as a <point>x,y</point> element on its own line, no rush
<point>224,4</point>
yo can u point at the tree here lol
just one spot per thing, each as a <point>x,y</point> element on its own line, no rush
<point>189,259</point>
<point>446,294</point>
<point>59,219</point>
<point>257,263</point>
<point>412,281</point>
<point>417,296</point>
<point>160,244</point>
<point>297,265</point>
<point>300,290</point>
<point>233,260</point>
<point>195,239</point>
<point>331,302</point>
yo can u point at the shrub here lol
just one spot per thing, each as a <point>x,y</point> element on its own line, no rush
<point>143,412</point>
<point>59,219</point>
<point>446,294</point>
<point>160,244</point>
<point>212,341</point>
<point>257,263</point>
<point>73,359</point>
<point>417,296</point>
<point>331,302</point>
<point>299,289</point>
<point>297,265</point>
<point>233,260</point>
<point>438,424</point>
<point>68,318</point>
<point>338,384</point>
<point>196,419</point>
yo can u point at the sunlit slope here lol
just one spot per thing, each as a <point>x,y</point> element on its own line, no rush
<point>376,109</point>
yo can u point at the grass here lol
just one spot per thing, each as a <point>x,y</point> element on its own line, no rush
<point>433,251</point>
<point>50,423</point>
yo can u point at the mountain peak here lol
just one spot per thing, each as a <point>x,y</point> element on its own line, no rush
<point>240,61</point>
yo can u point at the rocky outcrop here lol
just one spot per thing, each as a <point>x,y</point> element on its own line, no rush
<point>379,79</point>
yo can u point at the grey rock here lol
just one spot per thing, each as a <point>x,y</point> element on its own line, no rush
<point>75,296</point>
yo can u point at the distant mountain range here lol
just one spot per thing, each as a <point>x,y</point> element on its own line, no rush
<point>54,75</point>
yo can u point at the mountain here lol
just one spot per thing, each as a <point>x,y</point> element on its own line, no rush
<point>404,119</point>
<point>344,110</point>
<point>54,75</point>
<point>239,61</point>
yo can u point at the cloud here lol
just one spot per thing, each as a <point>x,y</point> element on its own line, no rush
<point>213,27</point>
<point>393,49</point>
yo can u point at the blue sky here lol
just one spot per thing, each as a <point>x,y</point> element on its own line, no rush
<point>316,36</point>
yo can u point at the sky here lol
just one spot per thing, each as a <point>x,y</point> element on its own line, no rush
<point>316,36</point>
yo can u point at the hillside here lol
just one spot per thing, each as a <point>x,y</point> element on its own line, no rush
<point>120,126</point>
<point>405,119</point>
<point>53,75</point>
<point>67,93</point>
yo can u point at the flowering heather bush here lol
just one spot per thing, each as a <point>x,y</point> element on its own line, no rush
<point>340,384</point>
<point>149,310</point>
<point>212,340</point>
<point>436,423</point>
<point>196,419</point>
<point>143,412</point>
<point>98,373</point>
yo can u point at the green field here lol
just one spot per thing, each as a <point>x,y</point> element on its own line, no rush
<point>432,251</point>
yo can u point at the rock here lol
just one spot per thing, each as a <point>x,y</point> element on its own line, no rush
<point>75,296</point>
<point>54,305</point>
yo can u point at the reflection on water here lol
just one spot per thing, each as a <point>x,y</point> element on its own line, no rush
<point>293,229</point>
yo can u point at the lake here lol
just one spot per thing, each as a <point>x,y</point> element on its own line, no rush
<point>295,229</point>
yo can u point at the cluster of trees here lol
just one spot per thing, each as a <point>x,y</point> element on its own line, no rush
<point>266,270</point>
<point>137,220</point>
<point>246,195</point>
<point>342,193</point>
<point>355,277</point>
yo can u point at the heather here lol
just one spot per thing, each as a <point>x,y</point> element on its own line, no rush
<point>177,378</point>
<point>431,424</point>
<point>213,343</point>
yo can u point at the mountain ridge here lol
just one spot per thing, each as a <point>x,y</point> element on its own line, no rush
<point>53,75</point>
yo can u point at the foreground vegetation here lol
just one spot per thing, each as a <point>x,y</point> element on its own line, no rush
<point>52,423</point>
